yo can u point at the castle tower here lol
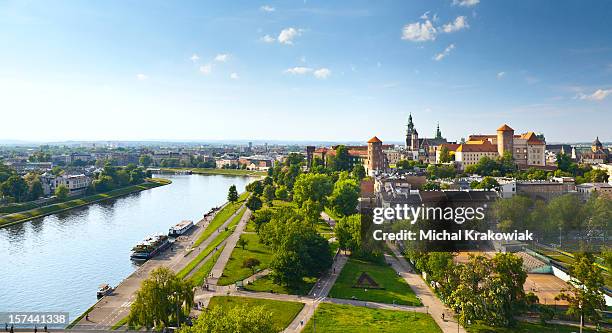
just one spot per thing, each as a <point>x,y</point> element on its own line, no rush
<point>376,159</point>
<point>412,137</point>
<point>505,139</point>
<point>309,155</point>
<point>438,132</point>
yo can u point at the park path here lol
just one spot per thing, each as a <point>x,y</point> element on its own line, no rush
<point>112,308</point>
<point>317,295</point>
<point>433,305</point>
<point>230,244</point>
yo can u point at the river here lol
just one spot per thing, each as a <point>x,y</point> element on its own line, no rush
<point>56,263</point>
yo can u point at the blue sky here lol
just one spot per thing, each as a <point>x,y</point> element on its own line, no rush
<point>303,70</point>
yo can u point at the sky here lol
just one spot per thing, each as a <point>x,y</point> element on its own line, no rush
<point>303,70</point>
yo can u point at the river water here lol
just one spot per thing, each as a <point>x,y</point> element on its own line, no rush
<point>56,263</point>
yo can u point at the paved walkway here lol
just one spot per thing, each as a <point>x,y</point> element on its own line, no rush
<point>434,306</point>
<point>318,294</point>
<point>230,244</point>
<point>110,309</point>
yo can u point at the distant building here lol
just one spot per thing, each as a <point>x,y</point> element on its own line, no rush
<point>527,150</point>
<point>586,189</point>
<point>77,184</point>
<point>370,156</point>
<point>597,155</point>
<point>546,189</point>
<point>421,149</point>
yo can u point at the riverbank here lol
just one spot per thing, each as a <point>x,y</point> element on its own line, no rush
<point>225,172</point>
<point>15,218</point>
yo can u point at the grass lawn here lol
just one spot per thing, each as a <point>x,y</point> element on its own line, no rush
<point>394,288</point>
<point>211,171</point>
<point>265,284</point>
<point>234,271</point>
<point>78,202</point>
<point>524,327</point>
<point>283,313</point>
<point>220,218</point>
<point>357,319</point>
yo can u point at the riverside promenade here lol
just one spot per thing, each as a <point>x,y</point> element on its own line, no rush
<point>113,308</point>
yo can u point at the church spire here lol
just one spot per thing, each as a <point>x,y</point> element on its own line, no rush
<point>438,133</point>
<point>410,124</point>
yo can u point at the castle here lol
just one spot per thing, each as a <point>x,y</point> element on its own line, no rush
<point>421,149</point>
<point>527,149</point>
<point>371,156</point>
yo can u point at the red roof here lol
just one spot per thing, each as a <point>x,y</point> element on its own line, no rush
<point>374,139</point>
<point>505,128</point>
<point>484,147</point>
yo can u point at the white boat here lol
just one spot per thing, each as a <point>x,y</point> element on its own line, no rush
<point>180,228</point>
<point>104,290</point>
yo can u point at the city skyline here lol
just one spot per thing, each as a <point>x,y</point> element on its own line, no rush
<point>307,71</point>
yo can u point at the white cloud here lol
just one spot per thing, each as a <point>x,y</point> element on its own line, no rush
<point>206,69</point>
<point>425,15</point>
<point>287,35</point>
<point>234,76</point>
<point>322,73</point>
<point>598,95</point>
<point>298,70</point>
<point>267,8</point>
<point>222,57</point>
<point>459,24</point>
<point>444,53</point>
<point>501,75</point>
<point>419,32</point>
<point>465,3</point>
<point>141,77</point>
<point>267,39</point>
<point>195,58</point>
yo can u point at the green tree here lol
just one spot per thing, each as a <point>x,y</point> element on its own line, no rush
<point>237,319</point>
<point>584,295</point>
<point>251,263</point>
<point>445,156</point>
<point>16,188</point>
<point>268,193</point>
<point>281,193</point>
<point>562,211</point>
<point>163,300</point>
<point>512,213</point>
<point>488,183</point>
<point>341,161</point>
<point>431,186</point>
<point>35,190</point>
<point>242,242</point>
<point>261,217</point>
<point>348,233</point>
<point>254,203</point>
<point>61,192</point>
<point>315,187</point>
<point>345,197</point>
<point>232,194</point>
<point>358,172</point>
<point>256,187</point>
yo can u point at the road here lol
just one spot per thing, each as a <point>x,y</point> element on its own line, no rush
<point>434,306</point>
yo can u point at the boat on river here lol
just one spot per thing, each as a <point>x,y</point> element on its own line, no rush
<point>180,228</point>
<point>104,290</point>
<point>150,247</point>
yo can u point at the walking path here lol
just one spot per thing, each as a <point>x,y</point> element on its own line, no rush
<point>318,294</point>
<point>230,243</point>
<point>111,309</point>
<point>434,306</point>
